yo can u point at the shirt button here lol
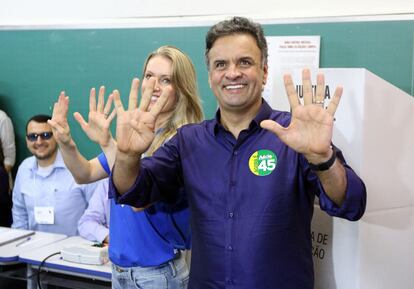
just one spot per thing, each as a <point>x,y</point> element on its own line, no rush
<point>236,153</point>
<point>229,281</point>
<point>231,215</point>
<point>230,247</point>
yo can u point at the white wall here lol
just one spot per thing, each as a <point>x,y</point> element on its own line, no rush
<point>17,13</point>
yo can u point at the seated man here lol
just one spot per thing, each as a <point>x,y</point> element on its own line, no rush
<point>94,223</point>
<point>45,195</point>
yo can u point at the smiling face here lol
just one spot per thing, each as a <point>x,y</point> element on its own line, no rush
<point>236,74</point>
<point>159,68</point>
<point>43,149</point>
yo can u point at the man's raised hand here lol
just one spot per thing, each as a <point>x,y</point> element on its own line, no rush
<point>311,126</point>
<point>59,122</point>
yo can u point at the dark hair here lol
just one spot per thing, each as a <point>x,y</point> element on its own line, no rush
<point>42,118</point>
<point>237,25</point>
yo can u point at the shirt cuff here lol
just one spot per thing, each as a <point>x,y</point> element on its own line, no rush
<point>354,204</point>
<point>101,233</point>
<point>133,196</point>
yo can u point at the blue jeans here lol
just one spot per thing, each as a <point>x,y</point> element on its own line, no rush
<point>171,275</point>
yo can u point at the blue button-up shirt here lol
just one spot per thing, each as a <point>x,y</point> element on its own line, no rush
<point>251,202</point>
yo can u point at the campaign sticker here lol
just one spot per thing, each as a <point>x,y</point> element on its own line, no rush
<point>262,162</point>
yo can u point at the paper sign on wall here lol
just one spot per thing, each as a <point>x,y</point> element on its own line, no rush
<point>286,53</point>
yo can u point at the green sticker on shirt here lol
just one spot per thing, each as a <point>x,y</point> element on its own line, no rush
<point>262,162</point>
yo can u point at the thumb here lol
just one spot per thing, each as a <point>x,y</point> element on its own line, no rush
<point>272,126</point>
<point>53,124</point>
<point>79,118</point>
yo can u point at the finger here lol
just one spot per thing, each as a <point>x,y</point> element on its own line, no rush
<point>55,111</point>
<point>53,124</point>
<point>290,91</point>
<point>57,129</point>
<point>79,118</point>
<point>65,106</point>
<point>133,94</point>
<point>307,87</point>
<point>334,103</point>
<point>108,104</point>
<point>320,89</point>
<point>272,126</point>
<point>101,100</point>
<point>111,116</point>
<point>61,97</point>
<point>92,99</point>
<point>62,106</point>
<point>147,94</point>
<point>119,108</point>
<point>162,100</point>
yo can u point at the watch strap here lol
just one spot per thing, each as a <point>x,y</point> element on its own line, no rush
<point>325,165</point>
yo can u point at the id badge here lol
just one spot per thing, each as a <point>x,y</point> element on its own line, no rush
<point>44,215</point>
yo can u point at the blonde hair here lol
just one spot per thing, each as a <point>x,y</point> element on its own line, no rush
<point>188,108</point>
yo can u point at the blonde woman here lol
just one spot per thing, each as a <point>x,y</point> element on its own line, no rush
<point>144,246</point>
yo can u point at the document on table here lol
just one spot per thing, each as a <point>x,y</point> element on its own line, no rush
<point>8,235</point>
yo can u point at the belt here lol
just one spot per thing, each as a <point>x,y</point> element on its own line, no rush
<point>119,269</point>
<point>177,255</point>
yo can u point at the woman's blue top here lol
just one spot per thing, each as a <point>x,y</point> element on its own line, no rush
<point>150,237</point>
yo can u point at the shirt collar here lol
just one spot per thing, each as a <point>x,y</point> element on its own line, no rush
<point>59,163</point>
<point>263,114</point>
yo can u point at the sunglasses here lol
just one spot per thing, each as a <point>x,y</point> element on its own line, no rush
<point>43,135</point>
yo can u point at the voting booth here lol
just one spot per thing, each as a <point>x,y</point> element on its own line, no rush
<point>374,128</point>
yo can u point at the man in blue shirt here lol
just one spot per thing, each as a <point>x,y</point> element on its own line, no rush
<point>45,195</point>
<point>251,174</point>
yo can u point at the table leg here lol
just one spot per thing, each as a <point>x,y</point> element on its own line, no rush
<point>31,280</point>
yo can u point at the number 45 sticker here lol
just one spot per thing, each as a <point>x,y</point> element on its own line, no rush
<point>262,162</point>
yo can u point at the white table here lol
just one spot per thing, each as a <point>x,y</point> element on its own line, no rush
<point>57,264</point>
<point>9,253</point>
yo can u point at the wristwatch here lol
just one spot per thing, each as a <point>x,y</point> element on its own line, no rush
<point>325,165</point>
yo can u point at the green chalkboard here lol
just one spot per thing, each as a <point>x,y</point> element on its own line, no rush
<point>35,65</point>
